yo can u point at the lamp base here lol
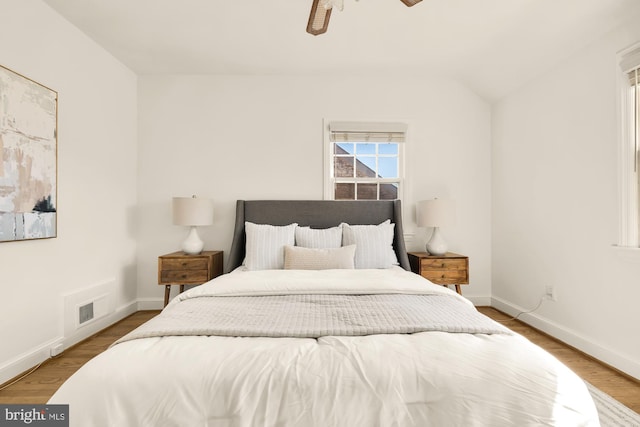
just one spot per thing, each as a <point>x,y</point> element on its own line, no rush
<point>436,245</point>
<point>193,245</point>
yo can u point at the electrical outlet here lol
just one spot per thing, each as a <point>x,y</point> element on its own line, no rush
<point>550,293</point>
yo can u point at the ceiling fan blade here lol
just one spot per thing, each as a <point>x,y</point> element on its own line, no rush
<point>410,2</point>
<point>319,19</point>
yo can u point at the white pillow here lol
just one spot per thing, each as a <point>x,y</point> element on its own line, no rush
<point>374,244</point>
<point>299,258</point>
<point>308,237</point>
<point>265,245</point>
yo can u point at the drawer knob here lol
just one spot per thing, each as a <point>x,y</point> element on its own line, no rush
<point>184,276</point>
<point>442,277</point>
<point>442,265</point>
<point>184,264</point>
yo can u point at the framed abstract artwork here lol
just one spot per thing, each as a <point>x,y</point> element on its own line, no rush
<point>28,158</point>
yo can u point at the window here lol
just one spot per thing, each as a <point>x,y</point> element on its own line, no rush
<point>364,161</point>
<point>630,150</point>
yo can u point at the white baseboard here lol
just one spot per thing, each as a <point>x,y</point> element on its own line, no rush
<point>150,304</point>
<point>100,324</point>
<point>42,352</point>
<point>479,301</point>
<point>33,357</point>
<point>572,338</point>
<point>27,360</point>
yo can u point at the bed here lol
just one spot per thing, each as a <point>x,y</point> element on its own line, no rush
<point>312,331</point>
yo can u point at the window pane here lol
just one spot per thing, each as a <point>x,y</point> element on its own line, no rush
<point>388,167</point>
<point>360,162</point>
<point>367,191</point>
<point>366,148</point>
<point>343,167</point>
<point>389,148</point>
<point>342,148</point>
<point>366,167</point>
<point>345,192</point>
<point>388,191</point>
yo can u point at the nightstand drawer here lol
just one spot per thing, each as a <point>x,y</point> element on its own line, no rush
<point>184,276</point>
<point>446,276</point>
<point>443,264</point>
<point>185,264</point>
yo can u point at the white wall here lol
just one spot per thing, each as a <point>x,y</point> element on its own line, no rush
<point>97,125</point>
<point>260,137</point>
<point>555,206</point>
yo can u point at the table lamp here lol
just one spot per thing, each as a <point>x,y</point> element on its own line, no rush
<point>192,212</point>
<point>436,213</point>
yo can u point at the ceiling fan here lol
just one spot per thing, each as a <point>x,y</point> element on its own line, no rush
<point>321,12</point>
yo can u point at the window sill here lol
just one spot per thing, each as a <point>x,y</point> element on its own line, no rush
<point>627,253</point>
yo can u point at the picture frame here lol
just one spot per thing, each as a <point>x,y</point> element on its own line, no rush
<point>28,158</point>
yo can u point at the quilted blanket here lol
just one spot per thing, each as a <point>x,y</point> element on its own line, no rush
<point>314,316</point>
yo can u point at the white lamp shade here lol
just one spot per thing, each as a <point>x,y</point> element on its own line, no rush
<point>192,211</point>
<point>435,213</point>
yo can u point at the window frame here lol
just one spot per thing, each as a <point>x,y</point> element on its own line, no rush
<point>328,165</point>
<point>629,156</point>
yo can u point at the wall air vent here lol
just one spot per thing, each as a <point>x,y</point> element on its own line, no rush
<point>85,313</point>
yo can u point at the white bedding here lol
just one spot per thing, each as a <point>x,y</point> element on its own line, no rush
<point>421,379</point>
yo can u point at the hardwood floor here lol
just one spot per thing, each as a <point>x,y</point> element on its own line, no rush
<point>621,387</point>
<point>39,386</point>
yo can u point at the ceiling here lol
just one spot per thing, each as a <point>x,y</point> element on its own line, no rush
<point>492,46</point>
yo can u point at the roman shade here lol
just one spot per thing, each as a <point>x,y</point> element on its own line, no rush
<point>367,132</point>
<point>630,61</point>
<point>633,77</point>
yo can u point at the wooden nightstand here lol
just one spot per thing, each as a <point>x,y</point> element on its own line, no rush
<point>178,268</point>
<point>447,269</point>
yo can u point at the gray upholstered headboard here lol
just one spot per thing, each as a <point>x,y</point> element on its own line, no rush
<point>316,214</point>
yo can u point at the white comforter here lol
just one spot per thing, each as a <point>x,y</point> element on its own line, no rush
<point>421,379</point>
